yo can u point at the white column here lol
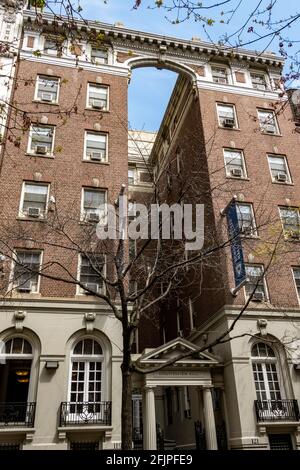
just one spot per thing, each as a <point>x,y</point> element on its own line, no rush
<point>209,420</point>
<point>149,422</point>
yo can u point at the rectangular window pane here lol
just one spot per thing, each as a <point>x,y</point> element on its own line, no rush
<point>96,146</point>
<point>278,167</point>
<point>98,97</point>
<point>47,89</point>
<point>35,199</point>
<point>267,122</point>
<point>94,205</point>
<point>245,218</point>
<point>41,140</point>
<point>219,75</point>
<point>290,222</point>
<point>89,272</point>
<point>226,116</point>
<point>255,281</point>
<point>234,163</point>
<point>258,81</point>
<point>99,56</point>
<point>25,277</point>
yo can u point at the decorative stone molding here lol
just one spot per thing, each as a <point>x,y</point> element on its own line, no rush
<point>90,318</point>
<point>262,324</point>
<point>19,317</point>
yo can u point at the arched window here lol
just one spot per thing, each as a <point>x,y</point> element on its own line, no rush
<point>15,372</point>
<point>86,382</point>
<point>264,364</point>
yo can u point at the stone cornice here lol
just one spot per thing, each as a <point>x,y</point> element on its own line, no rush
<point>120,34</point>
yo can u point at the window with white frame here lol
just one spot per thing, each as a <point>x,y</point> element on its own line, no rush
<point>96,146</point>
<point>219,74</point>
<point>279,169</point>
<point>296,273</point>
<point>41,140</point>
<point>267,121</point>
<point>92,267</point>
<point>246,219</point>
<point>50,46</point>
<point>99,55</point>
<point>86,385</point>
<point>258,81</point>
<point>234,163</point>
<point>47,89</point>
<point>34,200</point>
<point>26,271</point>
<point>290,222</point>
<point>227,115</point>
<point>131,175</point>
<point>266,377</point>
<point>94,205</point>
<point>97,96</point>
<point>255,285</point>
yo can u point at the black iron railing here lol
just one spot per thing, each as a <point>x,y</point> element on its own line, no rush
<point>277,410</point>
<point>17,414</point>
<point>72,413</point>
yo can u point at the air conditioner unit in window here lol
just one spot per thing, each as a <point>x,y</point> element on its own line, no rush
<point>237,172</point>
<point>33,212</point>
<point>295,234</point>
<point>93,288</point>
<point>97,156</point>
<point>46,96</point>
<point>220,80</point>
<point>258,296</point>
<point>228,122</point>
<point>98,104</point>
<point>281,177</point>
<point>270,129</point>
<point>248,230</point>
<point>93,217</point>
<point>25,286</point>
<point>41,149</point>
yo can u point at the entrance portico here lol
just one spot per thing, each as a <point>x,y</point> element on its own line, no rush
<point>192,371</point>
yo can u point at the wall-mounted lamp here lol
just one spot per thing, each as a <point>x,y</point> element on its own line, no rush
<point>52,365</point>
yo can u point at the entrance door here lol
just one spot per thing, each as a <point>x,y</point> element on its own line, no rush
<point>280,442</point>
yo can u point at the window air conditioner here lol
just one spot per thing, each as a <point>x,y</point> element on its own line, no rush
<point>269,129</point>
<point>25,287</point>
<point>247,230</point>
<point>97,156</point>
<point>281,177</point>
<point>94,288</point>
<point>258,297</point>
<point>33,212</point>
<point>46,96</point>
<point>41,149</point>
<point>98,104</point>
<point>237,172</point>
<point>295,234</point>
<point>93,217</point>
<point>228,122</point>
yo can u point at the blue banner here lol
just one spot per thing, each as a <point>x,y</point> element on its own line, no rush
<point>236,245</point>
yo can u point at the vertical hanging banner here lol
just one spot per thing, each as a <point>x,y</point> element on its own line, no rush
<point>236,246</point>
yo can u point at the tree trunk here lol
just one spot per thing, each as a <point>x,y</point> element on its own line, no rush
<point>126,393</point>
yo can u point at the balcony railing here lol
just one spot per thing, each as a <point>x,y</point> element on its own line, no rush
<point>17,414</point>
<point>78,413</point>
<point>277,410</point>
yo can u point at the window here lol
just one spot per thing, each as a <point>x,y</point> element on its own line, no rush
<point>94,205</point>
<point>96,147</point>
<point>264,365</point>
<point>91,269</point>
<point>34,200</point>
<point>99,56</point>
<point>97,97</point>
<point>84,445</point>
<point>290,222</point>
<point>86,383</point>
<point>47,89</point>
<point>41,140</point>
<point>267,122</point>
<point>296,273</point>
<point>258,81</point>
<point>234,163</point>
<point>50,46</point>
<point>131,176</point>
<point>246,219</point>
<point>26,271</point>
<point>132,249</point>
<point>227,116</point>
<point>279,169</point>
<point>219,74</point>
<point>255,282</point>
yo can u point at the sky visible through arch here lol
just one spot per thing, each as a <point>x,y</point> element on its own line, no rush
<point>150,89</point>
